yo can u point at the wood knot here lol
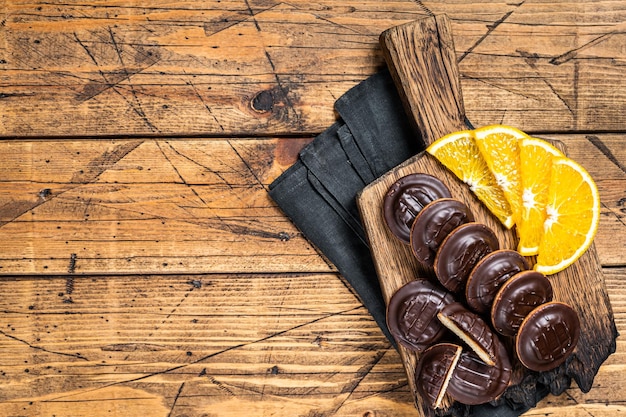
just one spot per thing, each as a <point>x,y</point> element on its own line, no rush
<point>274,370</point>
<point>45,193</point>
<point>263,101</point>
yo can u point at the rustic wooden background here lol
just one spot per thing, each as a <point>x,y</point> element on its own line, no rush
<point>144,268</point>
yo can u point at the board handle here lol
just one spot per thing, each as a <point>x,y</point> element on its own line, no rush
<point>422,62</point>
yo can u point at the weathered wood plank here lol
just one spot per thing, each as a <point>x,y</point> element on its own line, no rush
<point>211,67</point>
<point>179,206</point>
<point>227,345</point>
<point>541,65</point>
<point>168,206</point>
<point>269,67</point>
<point>298,342</point>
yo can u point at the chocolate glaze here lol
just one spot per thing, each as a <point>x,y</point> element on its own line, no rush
<point>405,199</point>
<point>433,369</point>
<point>412,314</point>
<point>474,382</point>
<point>473,329</point>
<point>433,224</point>
<point>460,252</point>
<point>517,298</point>
<point>489,274</point>
<point>547,336</point>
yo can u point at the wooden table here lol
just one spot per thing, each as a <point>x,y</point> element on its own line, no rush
<point>145,270</point>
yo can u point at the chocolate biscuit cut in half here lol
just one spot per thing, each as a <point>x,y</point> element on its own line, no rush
<point>412,314</point>
<point>434,370</point>
<point>474,382</point>
<point>433,224</point>
<point>547,336</point>
<point>459,253</point>
<point>516,298</point>
<point>406,197</point>
<point>473,330</point>
<point>489,274</point>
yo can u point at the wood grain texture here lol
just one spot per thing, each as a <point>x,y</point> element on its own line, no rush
<point>190,345</point>
<point>225,67</point>
<point>222,345</point>
<point>231,67</point>
<point>541,66</point>
<point>170,205</point>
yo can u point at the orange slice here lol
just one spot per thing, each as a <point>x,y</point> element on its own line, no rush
<point>572,215</point>
<point>498,145</point>
<point>535,168</point>
<point>459,153</point>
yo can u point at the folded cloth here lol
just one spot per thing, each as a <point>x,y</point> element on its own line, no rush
<point>318,193</point>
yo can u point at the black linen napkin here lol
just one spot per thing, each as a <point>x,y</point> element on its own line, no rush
<point>318,193</point>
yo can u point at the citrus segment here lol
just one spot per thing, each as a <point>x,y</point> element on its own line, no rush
<point>535,169</point>
<point>528,182</point>
<point>498,145</point>
<point>572,215</point>
<point>459,153</point>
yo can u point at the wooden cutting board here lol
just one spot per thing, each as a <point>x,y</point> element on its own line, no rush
<point>421,58</point>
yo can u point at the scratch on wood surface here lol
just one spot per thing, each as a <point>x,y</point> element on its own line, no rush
<point>135,105</point>
<point>597,142</point>
<point>71,268</point>
<point>245,227</point>
<point>247,165</point>
<point>348,389</point>
<point>221,223</point>
<point>11,210</point>
<point>619,217</point>
<point>422,6</point>
<point>132,347</point>
<point>104,162</point>
<point>178,173</point>
<point>96,167</point>
<point>31,346</point>
<point>252,14</point>
<point>207,357</point>
<point>348,28</point>
<point>173,310</point>
<point>569,108</point>
<point>500,87</point>
<point>361,374</point>
<point>220,385</point>
<point>111,79</point>
<point>284,90</point>
<point>222,23</point>
<point>608,154</point>
<point>180,390</point>
<point>490,29</point>
<point>203,166</point>
<point>573,53</point>
<point>205,104</point>
<point>69,282</point>
<point>12,95</point>
<point>531,60</point>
